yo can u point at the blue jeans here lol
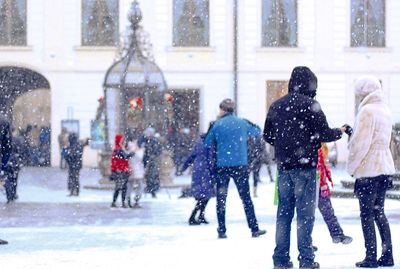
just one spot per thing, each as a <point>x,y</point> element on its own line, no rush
<point>296,189</point>
<point>240,175</point>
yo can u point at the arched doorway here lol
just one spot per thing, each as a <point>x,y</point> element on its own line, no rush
<point>26,100</point>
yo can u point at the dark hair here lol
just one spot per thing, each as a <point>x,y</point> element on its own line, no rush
<point>227,105</point>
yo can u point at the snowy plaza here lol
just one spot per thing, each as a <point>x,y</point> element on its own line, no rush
<point>47,229</point>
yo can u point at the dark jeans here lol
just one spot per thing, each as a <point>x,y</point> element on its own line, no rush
<point>371,195</point>
<point>73,181</point>
<point>327,212</point>
<point>240,175</point>
<point>296,190</point>
<point>11,186</point>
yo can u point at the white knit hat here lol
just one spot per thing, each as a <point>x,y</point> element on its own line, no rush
<point>367,84</point>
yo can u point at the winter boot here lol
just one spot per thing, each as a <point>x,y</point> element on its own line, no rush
<point>344,239</point>
<point>314,265</point>
<point>289,265</point>
<point>258,233</point>
<point>386,260</point>
<point>367,263</point>
<point>113,204</point>
<point>3,242</point>
<point>202,219</point>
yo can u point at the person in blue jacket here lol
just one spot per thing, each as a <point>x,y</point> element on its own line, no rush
<point>203,179</point>
<point>229,135</point>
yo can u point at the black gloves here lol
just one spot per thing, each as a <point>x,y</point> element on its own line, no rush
<point>348,130</point>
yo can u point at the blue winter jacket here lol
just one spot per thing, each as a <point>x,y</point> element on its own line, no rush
<point>229,134</point>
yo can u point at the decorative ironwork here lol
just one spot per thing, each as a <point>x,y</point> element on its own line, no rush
<point>134,85</point>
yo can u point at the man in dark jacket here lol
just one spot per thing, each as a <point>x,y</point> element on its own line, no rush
<point>5,149</point>
<point>296,126</point>
<point>230,134</point>
<point>73,157</point>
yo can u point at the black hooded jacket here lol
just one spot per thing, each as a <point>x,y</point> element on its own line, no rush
<point>5,142</point>
<point>74,152</point>
<point>296,125</point>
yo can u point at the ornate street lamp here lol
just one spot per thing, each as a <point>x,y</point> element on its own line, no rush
<point>134,87</point>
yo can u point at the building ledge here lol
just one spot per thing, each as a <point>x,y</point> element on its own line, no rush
<point>95,48</point>
<point>16,48</point>
<point>368,49</point>
<point>190,49</point>
<point>280,50</point>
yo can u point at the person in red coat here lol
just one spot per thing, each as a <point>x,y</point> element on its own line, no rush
<point>324,201</point>
<point>120,170</point>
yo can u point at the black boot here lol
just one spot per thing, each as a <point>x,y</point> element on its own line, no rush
<point>367,263</point>
<point>202,219</point>
<point>192,219</point>
<point>386,260</point>
<point>3,242</point>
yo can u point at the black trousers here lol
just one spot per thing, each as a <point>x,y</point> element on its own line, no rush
<point>121,184</point>
<point>371,195</point>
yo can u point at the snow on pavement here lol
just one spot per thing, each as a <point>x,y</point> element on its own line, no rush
<point>47,229</point>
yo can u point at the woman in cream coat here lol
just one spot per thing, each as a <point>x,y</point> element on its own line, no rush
<point>371,163</point>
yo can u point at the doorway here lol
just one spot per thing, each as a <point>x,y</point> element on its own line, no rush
<point>26,101</point>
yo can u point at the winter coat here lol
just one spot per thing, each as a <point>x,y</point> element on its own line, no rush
<point>230,135</point>
<point>136,162</point>
<point>5,142</point>
<point>296,125</point>
<point>73,153</point>
<point>203,174</point>
<point>119,157</point>
<point>369,152</point>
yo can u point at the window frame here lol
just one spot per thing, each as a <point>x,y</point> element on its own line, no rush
<point>365,38</point>
<point>176,46</point>
<point>25,18</point>
<point>82,32</point>
<point>262,28</point>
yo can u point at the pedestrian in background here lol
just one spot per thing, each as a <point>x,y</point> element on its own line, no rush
<point>5,149</point>
<point>73,157</point>
<point>151,160</point>
<point>136,183</point>
<point>14,166</point>
<point>120,169</point>
<point>63,144</point>
<point>296,126</point>
<point>258,156</point>
<point>229,135</point>
<point>203,179</point>
<point>371,163</point>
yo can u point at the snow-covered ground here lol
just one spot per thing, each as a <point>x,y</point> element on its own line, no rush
<point>47,229</point>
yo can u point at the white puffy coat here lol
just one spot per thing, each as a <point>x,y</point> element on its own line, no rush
<point>369,145</point>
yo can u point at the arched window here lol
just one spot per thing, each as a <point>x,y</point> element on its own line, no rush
<point>13,23</point>
<point>191,23</point>
<point>279,23</point>
<point>100,22</point>
<point>367,23</point>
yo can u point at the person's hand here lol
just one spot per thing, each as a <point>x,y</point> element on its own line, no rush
<point>347,129</point>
